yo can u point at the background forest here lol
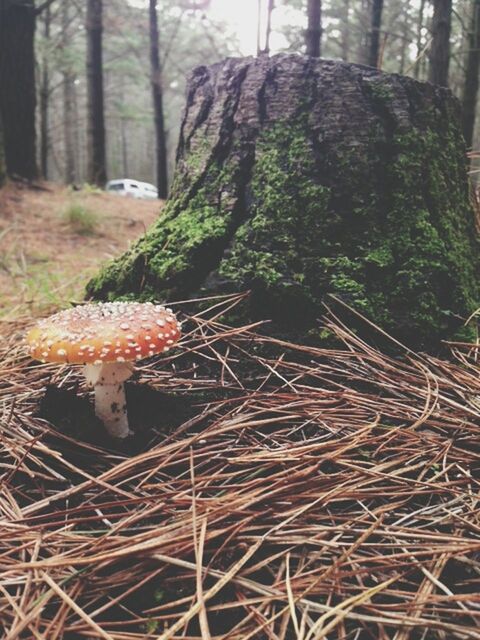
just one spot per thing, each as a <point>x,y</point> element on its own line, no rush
<point>436,40</point>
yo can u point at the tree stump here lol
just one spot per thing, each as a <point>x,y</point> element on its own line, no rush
<point>298,177</point>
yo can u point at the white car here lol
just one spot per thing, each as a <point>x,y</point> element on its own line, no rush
<point>132,189</point>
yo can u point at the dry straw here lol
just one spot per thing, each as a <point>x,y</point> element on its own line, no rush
<point>313,493</point>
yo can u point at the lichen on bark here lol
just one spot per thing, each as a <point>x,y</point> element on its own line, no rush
<point>297,178</point>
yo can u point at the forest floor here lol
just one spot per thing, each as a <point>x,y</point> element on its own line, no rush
<point>53,239</point>
<point>270,491</point>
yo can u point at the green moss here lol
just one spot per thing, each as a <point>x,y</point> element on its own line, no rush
<point>389,230</point>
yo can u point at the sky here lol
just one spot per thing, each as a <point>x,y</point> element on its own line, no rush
<point>241,17</point>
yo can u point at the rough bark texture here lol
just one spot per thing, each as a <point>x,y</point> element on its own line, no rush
<point>3,168</point>
<point>440,47</point>
<point>17,86</point>
<point>44,100</point>
<point>69,119</point>
<point>374,48</point>
<point>313,34</point>
<point>297,177</point>
<point>419,39</point>
<point>470,89</point>
<point>157,96</point>
<point>97,161</point>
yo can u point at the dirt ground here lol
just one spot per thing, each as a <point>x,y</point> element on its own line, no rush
<point>47,255</point>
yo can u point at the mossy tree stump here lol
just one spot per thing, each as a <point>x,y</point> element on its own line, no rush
<point>298,177</point>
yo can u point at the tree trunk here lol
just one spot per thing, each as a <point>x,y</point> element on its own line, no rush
<point>68,102</point>
<point>374,48</point>
<point>313,34</point>
<point>44,98</point>
<point>440,47</point>
<point>405,45</point>
<point>419,42</point>
<point>17,86</point>
<point>470,90</point>
<point>157,95</point>
<point>345,31</point>
<point>3,167</point>
<point>268,31</point>
<point>297,177</point>
<point>97,163</point>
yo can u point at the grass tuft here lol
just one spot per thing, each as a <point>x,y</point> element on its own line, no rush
<point>82,221</point>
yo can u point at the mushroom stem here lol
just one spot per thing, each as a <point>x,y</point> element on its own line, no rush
<point>110,403</point>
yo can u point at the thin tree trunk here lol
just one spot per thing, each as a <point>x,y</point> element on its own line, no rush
<point>3,168</point>
<point>405,14</point>
<point>271,4</point>
<point>313,34</point>
<point>440,47</point>
<point>97,163</point>
<point>470,89</point>
<point>345,29</point>
<point>17,87</point>
<point>123,136</point>
<point>363,17</point>
<point>68,103</point>
<point>259,26</point>
<point>78,139</point>
<point>419,42</point>
<point>44,99</point>
<point>157,95</point>
<point>374,45</point>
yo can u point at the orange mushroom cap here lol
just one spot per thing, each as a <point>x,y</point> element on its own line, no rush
<point>104,332</point>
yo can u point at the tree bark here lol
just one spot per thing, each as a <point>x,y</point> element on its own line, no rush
<point>440,47</point>
<point>157,96</point>
<point>68,102</point>
<point>313,34</point>
<point>3,167</point>
<point>17,86</point>
<point>470,89</point>
<point>44,99</point>
<point>268,31</point>
<point>405,45</point>
<point>345,30</point>
<point>97,162</point>
<point>419,40</point>
<point>374,48</point>
<point>297,177</point>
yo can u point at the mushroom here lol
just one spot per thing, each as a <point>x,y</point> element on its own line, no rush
<point>106,338</point>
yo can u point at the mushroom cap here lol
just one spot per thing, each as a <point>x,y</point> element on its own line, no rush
<point>104,332</point>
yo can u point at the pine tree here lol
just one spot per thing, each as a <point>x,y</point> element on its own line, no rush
<point>440,47</point>
<point>97,169</point>
<point>313,34</point>
<point>17,86</point>
<point>374,40</point>
<point>157,96</point>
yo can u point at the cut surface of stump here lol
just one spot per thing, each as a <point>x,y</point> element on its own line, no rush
<point>298,177</point>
